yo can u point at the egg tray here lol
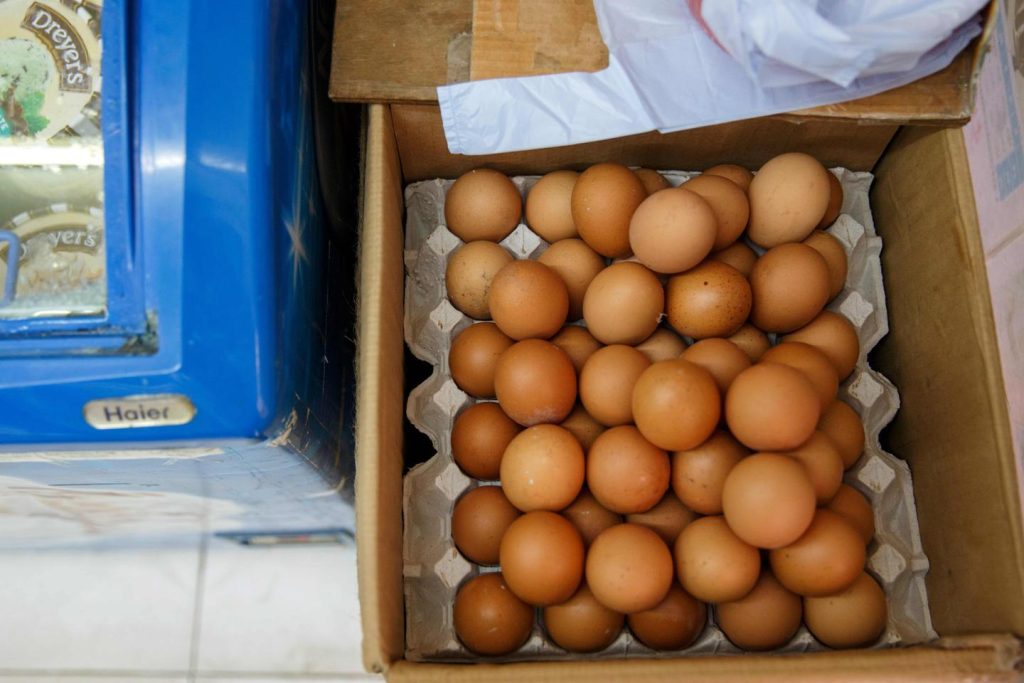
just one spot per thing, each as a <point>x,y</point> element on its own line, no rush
<point>433,567</point>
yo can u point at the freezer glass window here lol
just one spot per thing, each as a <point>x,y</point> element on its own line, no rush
<point>52,249</point>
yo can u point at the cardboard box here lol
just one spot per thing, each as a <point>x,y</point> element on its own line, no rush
<point>941,353</point>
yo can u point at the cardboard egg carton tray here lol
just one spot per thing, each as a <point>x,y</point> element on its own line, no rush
<point>433,567</point>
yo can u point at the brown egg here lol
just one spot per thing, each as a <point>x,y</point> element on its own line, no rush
<point>713,564</point>
<point>549,206</point>
<point>768,500</point>
<point>667,519</point>
<point>625,472</point>
<point>826,559</point>
<point>833,335</point>
<point>823,465</point>
<point>729,202</point>
<point>813,363</point>
<point>528,300</point>
<point>535,382</point>
<point>479,437</point>
<point>771,407</point>
<point>603,201</point>
<point>722,358</point>
<point>676,404</point>
<point>739,255</point>
<point>672,230</point>
<point>469,274</point>
<point>542,558</point>
<point>699,474</point>
<point>664,344</point>
<point>482,204</point>
<point>835,202</point>
<point>753,341</point>
<point>590,517</point>
<point>651,179</point>
<point>607,380</point>
<point>711,300</point>
<point>629,568</point>
<point>488,618</point>
<point>737,174</point>
<point>473,358</point>
<point>543,468</point>
<point>789,284</point>
<point>585,428</point>
<point>479,520</point>
<point>576,341</point>
<point>582,624</point>
<point>623,304</point>
<point>765,618</point>
<point>672,624</point>
<point>851,504</point>
<point>578,265</point>
<point>832,251</point>
<point>788,198</point>
<point>855,617</point>
<point>843,425</point>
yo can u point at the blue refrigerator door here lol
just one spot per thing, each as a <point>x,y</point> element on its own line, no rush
<point>159,222</point>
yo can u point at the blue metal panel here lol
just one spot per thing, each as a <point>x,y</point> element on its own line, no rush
<point>220,173</point>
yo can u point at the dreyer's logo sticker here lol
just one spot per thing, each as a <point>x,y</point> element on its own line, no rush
<point>84,239</point>
<point>64,43</point>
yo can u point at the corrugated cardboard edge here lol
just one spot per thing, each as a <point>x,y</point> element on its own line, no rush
<point>974,658</point>
<point>380,398</point>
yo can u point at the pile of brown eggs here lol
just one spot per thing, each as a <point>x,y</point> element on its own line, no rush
<point>655,451</point>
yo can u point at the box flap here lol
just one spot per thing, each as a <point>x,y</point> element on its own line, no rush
<point>390,51</point>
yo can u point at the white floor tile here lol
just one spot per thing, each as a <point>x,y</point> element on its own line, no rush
<point>284,609</point>
<point>110,677</point>
<point>97,610</point>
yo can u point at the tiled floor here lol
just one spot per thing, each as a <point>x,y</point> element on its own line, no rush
<point>219,612</point>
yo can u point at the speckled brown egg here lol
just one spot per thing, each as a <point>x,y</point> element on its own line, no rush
<point>542,558</point>
<point>790,286</point>
<point>549,206</point>
<point>854,617</point>
<point>753,341</point>
<point>739,255</point>
<point>768,500</point>
<point>771,407</point>
<point>672,624</point>
<point>488,618</point>
<point>835,202</point>
<point>664,344</point>
<point>652,180</point>
<point>606,383</point>
<point>833,335</point>
<point>542,468</point>
<point>629,568</point>
<point>713,564</point>
<point>711,300</point>
<point>834,254</point>
<point>469,274</point>
<point>765,618</point>
<point>584,427</point>
<point>535,382</point>
<point>479,437</point>
<point>826,559</point>
<point>676,404</point>
<point>582,624</point>
<point>479,520</point>
<point>623,304</point>
<point>473,357</point>
<point>590,517</point>
<point>699,474</point>
<point>843,425</point>
<point>667,519</point>
<point>813,363</point>
<point>482,204</point>
<point>578,265</point>
<point>736,174</point>
<point>625,472</point>
<point>851,504</point>
<point>576,341</point>
<point>728,201</point>
<point>788,198</point>
<point>722,358</point>
<point>528,300</point>
<point>603,201</point>
<point>673,230</point>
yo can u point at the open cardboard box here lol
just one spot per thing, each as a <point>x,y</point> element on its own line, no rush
<point>941,354</point>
